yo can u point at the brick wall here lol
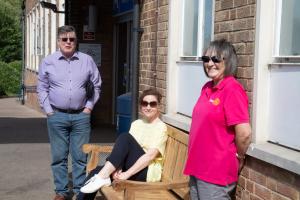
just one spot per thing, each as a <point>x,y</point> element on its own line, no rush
<point>235,21</point>
<point>260,180</point>
<point>154,46</point>
<point>30,95</point>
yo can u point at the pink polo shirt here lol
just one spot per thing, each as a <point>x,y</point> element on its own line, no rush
<point>212,149</point>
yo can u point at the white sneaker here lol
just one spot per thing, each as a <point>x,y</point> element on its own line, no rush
<point>94,184</point>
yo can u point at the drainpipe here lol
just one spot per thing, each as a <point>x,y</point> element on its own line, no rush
<point>23,54</point>
<point>135,65</point>
<point>68,12</point>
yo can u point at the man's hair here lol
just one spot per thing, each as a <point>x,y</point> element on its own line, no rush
<point>65,29</point>
<point>225,51</point>
<point>150,91</point>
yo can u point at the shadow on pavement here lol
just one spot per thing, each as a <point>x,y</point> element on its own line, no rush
<point>34,130</point>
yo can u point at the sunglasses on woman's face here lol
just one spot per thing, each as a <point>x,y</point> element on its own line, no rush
<point>65,39</point>
<point>206,59</point>
<point>153,104</point>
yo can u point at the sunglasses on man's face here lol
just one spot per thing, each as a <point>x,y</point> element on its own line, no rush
<point>153,104</point>
<point>206,59</point>
<point>66,39</point>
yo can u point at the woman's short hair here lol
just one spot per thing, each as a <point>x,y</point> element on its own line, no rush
<point>226,51</point>
<point>150,91</point>
<point>65,29</point>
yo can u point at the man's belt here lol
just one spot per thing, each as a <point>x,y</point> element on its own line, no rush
<point>69,111</point>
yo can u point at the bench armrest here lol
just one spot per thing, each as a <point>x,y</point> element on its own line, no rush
<point>138,185</point>
<point>94,151</point>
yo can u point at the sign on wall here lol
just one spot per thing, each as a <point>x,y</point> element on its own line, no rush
<point>94,50</point>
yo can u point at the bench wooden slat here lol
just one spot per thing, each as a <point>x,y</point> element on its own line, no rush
<point>180,163</point>
<point>170,159</point>
<point>137,194</point>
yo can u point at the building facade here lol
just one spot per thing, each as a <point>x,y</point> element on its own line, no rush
<point>169,39</point>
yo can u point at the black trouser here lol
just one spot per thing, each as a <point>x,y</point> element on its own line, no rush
<point>125,153</point>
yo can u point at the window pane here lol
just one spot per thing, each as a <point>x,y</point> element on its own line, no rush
<point>190,31</point>
<point>190,81</point>
<point>290,28</point>
<point>207,23</point>
<point>284,106</point>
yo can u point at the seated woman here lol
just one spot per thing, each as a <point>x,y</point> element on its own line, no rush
<point>137,155</point>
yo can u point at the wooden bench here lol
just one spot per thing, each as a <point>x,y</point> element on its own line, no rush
<point>174,185</point>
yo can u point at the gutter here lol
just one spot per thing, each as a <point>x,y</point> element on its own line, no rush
<point>135,65</point>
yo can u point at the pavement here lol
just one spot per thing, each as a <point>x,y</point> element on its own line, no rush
<point>25,171</point>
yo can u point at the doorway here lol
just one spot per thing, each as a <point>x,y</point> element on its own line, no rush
<point>122,59</point>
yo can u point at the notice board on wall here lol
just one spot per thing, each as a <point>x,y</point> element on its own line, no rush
<point>94,50</point>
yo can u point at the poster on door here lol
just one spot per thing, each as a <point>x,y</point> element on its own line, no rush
<point>94,50</point>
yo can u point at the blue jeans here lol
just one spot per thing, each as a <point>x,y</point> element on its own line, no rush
<point>67,134</point>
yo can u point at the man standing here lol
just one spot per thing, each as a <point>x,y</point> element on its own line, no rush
<point>61,89</point>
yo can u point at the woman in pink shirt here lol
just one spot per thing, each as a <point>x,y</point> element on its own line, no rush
<point>220,131</point>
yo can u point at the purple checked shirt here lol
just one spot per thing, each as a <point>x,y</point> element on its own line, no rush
<point>61,82</point>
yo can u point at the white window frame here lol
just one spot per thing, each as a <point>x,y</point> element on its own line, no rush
<point>265,57</point>
<point>181,67</point>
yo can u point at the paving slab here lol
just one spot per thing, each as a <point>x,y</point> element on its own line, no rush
<point>25,152</point>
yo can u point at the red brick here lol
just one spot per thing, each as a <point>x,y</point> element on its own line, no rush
<point>245,195</point>
<point>217,5</point>
<point>233,14</point>
<point>245,171</point>
<point>238,3</point>
<point>226,26</point>
<point>262,192</point>
<point>240,24</point>
<point>222,35</point>
<point>276,196</point>
<point>243,60</point>
<point>222,15</point>
<point>254,197</point>
<point>244,11</point>
<point>164,10</point>
<point>250,186</point>
<point>226,4</point>
<point>242,182</point>
<point>287,191</point>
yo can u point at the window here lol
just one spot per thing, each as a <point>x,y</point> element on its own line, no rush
<point>276,99</point>
<point>284,72</point>
<point>190,31</point>
<point>197,27</point>
<point>288,27</point>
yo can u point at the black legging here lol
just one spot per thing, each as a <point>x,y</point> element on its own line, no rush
<point>125,153</point>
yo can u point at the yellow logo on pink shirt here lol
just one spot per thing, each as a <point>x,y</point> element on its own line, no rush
<point>215,101</point>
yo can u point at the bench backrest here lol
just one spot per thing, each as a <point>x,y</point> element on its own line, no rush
<point>175,155</point>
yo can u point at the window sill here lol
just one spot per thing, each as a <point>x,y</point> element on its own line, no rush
<point>177,120</point>
<point>189,61</point>
<point>279,156</point>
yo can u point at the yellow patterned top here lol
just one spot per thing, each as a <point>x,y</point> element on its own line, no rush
<point>149,136</point>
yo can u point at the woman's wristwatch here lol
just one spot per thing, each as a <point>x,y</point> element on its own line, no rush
<point>240,157</point>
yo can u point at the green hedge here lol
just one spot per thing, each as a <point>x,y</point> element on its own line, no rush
<point>10,78</point>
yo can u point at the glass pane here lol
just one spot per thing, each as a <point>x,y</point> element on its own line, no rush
<point>284,107</point>
<point>290,28</point>
<point>207,23</point>
<point>190,31</point>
